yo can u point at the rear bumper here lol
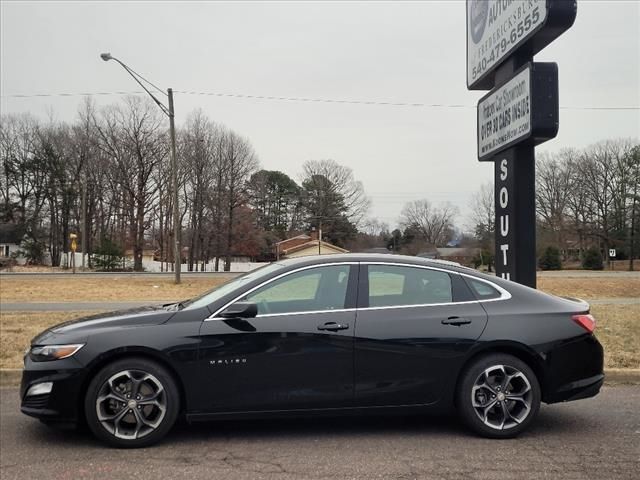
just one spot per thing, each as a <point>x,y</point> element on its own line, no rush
<point>574,370</point>
<point>586,388</point>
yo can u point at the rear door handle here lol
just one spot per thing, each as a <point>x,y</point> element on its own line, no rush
<point>333,326</point>
<point>457,321</point>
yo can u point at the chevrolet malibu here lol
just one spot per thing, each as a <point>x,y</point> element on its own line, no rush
<point>322,335</point>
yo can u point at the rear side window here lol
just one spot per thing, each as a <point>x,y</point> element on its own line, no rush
<point>482,290</point>
<point>391,285</point>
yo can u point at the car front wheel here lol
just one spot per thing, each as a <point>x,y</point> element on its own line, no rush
<point>132,403</point>
<point>498,396</point>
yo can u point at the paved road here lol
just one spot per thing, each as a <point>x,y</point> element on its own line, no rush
<point>589,274</point>
<point>118,274</point>
<point>558,273</point>
<point>597,438</point>
<point>74,306</point>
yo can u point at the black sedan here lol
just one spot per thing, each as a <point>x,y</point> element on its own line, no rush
<point>320,335</point>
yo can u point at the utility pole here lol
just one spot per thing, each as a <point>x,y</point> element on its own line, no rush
<point>84,218</point>
<point>174,181</point>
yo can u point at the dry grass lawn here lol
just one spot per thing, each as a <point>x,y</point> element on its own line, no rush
<point>618,328</point>
<point>587,288</point>
<point>21,289</point>
<point>18,328</point>
<point>101,289</point>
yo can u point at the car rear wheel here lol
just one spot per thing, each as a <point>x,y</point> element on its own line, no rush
<point>132,402</point>
<point>498,396</point>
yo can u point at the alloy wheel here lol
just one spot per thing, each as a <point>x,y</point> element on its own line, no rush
<point>502,397</point>
<point>131,404</point>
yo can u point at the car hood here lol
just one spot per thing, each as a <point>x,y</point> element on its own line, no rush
<point>86,326</point>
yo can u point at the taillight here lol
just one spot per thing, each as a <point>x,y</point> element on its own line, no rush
<point>586,321</point>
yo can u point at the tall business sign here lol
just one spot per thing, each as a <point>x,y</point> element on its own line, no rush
<point>519,112</point>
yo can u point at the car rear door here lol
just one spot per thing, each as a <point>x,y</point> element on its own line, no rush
<point>414,326</point>
<point>296,354</point>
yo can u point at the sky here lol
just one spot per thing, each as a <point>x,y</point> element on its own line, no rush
<point>398,52</point>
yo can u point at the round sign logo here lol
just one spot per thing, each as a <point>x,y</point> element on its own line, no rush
<point>478,10</point>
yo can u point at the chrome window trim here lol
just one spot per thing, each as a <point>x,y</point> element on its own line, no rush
<point>213,316</point>
<point>417,305</point>
<point>504,294</point>
<point>310,312</point>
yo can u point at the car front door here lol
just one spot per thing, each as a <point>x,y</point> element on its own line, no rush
<point>297,353</point>
<point>414,326</point>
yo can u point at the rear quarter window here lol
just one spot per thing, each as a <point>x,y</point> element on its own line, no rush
<point>482,290</point>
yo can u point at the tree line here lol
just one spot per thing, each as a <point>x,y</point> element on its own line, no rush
<point>107,175</point>
<point>586,199</point>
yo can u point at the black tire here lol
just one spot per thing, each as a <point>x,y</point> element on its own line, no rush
<point>111,394</point>
<point>482,384</point>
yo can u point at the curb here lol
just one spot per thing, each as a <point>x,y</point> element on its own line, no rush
<point>617,376</point>
<point>10,377</point>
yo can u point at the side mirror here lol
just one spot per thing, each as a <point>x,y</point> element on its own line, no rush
<point>241,310</point>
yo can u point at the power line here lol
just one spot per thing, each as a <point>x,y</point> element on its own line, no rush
<point>64,94</point>
<point>305,100</point>
<point>154,86</point>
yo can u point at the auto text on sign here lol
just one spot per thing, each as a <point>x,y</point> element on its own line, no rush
<point>505,116</point>
<point>495,28</point>
<point>503,264</point>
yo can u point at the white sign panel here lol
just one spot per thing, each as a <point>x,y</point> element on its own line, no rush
<point>504,116</point>
<point>612,252</point>
<point>495,28</point>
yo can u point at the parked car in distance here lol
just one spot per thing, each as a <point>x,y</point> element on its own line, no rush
<point>361,334</point>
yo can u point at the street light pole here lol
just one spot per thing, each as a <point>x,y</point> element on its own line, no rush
<point>168,111</point>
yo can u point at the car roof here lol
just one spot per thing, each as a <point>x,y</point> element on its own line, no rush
<point>372,257</point>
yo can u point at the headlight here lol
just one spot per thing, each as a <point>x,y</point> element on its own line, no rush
<point>53,352</point>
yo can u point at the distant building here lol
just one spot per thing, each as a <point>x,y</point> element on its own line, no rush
<point>380,250</point>
<point>430,253</point>
<point>463,256</point>
<point>305,245</point>
<point>9,240</point>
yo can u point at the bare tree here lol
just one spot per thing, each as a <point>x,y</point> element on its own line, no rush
<point>553,181</point>
<point>239,163</point>
<point>434,224</point>
<point>134,139</point>
<point>482,208</point>
<point>339,184</point>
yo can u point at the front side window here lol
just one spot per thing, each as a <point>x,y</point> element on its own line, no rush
<point>226,288</point>
<point>391,285</point>
<point>314,289</point>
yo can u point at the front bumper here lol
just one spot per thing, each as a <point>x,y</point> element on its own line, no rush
<point>63,404</point>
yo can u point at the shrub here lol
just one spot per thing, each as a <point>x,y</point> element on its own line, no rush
<point>484,257</point>
<point>550,259</point>
<point>592,260</point>
<point>108,256</point>
<point>32,250</point>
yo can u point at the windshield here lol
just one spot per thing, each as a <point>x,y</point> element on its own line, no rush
<point>220,291</point>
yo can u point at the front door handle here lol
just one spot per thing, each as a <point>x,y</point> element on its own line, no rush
<point>333,326</point>
<point>457,321</point>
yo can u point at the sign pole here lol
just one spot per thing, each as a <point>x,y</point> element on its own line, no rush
<point>515,201</point>
<point>519,112</point>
